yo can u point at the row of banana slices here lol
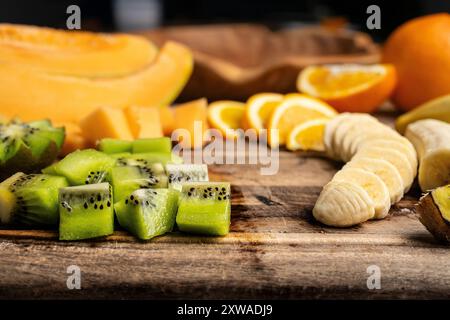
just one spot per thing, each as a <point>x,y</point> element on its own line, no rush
<point>381,167</point>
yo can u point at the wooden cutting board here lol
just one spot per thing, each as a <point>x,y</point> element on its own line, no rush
<point>275,250</point>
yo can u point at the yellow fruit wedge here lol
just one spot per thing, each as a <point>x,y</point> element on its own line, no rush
<point>438,109</point>
<point>226,115</point>
<point>307,136</point>
<point>349,87</point>
<point>295,109</point>
<point>258,109</point>
<point>35,95</point>
<point>74,53</point>
<point>144,122</point>
<point>106,122</point>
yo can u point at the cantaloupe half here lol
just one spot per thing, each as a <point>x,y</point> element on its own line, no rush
<point>144,122</point>
<point>34,95</point>
<point>75,53</point>
<point>191,120</point>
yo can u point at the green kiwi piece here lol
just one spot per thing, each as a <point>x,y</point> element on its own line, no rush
<point>126,179</point>
<point>31,199</point>
<point>178,174</point>
<point>86,212</point>
<point>204,208</point>
<point>125,159</point>
<point>147,213</point>
<point>111,146</point>
<point>84,167</point>
<point>163,145</point>
<point>28,147</point>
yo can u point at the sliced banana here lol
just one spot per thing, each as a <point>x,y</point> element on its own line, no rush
<point>343,204</point>
<point>395,157</point>
<point>354,133</point>
<point>431,139</point>
<point>398,143</point>
<point>372,184</point>
<point>348,127</point>
<point>385,171</point>
<point>330,130</point>
<point>378,132</point>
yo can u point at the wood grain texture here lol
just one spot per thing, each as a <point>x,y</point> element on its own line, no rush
<point>275,250</point>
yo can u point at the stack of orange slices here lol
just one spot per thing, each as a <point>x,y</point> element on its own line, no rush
<point>297,120</point>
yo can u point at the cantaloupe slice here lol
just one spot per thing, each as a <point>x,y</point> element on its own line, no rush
<point>106,122</point>
<point>32,95</point>
<point>74,53</point>
<point>144,122</point>
<point>74,138</point>
<point>167,120</point>
<point>191,116</point>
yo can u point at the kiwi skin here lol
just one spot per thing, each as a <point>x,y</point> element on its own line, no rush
<point>431,218</point>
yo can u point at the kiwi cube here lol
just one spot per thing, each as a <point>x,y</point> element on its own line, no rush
<point>112,146</point>
<point>147,213</point>
<point>125,159</point>
<point>86,212</point>
<point>204,208</point>
<point>32,199</point>
<point>163,145</point>
<point>126,179</point>
<point>84,167</point>
<point>178,174</point>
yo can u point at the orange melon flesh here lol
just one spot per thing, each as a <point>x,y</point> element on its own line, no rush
<point>106,122</point>
<point>167,120</point>
<point>144,122</point>
<point>186,115</point>
<point>74,53</point>
<point>32,95</point>
<point>74,138</point>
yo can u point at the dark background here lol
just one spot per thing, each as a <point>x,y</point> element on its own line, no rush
<point>123,15</point>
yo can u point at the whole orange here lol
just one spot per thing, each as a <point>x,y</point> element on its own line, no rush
<point>420,51</point>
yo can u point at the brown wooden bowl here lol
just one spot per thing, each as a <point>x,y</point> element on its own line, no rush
<point>236,61</point>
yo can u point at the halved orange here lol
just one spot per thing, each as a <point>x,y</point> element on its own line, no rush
<point>225,115</point>
<point>295,109</point>
<point>258,110</point>
<point>307,136</point>
<point>349,87</point>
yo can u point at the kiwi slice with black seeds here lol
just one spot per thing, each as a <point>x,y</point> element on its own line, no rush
<point>86,211</point>
<point>84,167</point>
<point>31,199</point>
<point>28,147</point>
<point>205,208</point>
<point>148,213</point>
<point>126,179</point>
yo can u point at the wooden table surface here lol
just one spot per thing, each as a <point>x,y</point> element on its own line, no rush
<point>275,250</point>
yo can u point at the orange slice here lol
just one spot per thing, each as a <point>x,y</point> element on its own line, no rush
<point>295,109</point>
<point>307,136</point>
<point>225,115</point>
<point>258,109</point>
<point>349,87</point>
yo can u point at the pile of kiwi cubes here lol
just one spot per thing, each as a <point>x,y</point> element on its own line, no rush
<point>138,184</point>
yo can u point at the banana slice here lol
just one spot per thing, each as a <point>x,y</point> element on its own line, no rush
<point>343,204</point>
<point>431,139</point>
<point>380,132</point>
<point>395,157</point>
<point>354,134</point>
<point>398,143</point>
<point>330,129</point>
<point>385,171</point>
<point>372,184</point>
<point>348,126</point>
